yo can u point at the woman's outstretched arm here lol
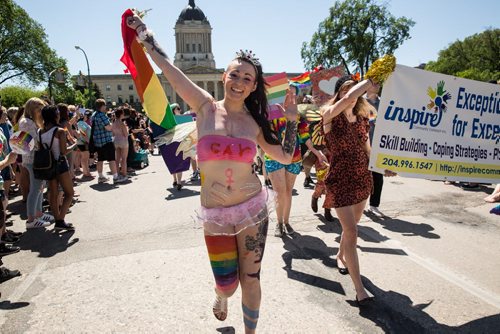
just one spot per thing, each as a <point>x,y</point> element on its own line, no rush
<point>193,95</point>
<point>353,94</point>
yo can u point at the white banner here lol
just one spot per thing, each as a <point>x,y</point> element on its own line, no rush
<point>438,127</point>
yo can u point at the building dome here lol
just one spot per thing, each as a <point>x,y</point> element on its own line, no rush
<point>192,13</point>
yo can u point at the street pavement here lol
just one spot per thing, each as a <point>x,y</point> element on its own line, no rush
<point>137,263</point>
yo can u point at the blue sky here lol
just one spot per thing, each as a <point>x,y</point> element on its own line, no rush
<point>274,30</point>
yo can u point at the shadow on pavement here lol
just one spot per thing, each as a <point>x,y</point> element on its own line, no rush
<point>404,227</point>
<point>184,192</point>
<point>396,313</point>
<point>103,186</point>
<point>47,242</point>
<point>226,330</point>
<point>7,305</point>
<point>308,248</point>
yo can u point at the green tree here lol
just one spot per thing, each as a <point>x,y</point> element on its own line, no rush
<point>477,57</point>
<point>24,51</point>
<point>355,33</point>
<point>16,96</point>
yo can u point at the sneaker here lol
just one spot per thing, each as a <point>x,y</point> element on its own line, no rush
<point>328,215</point>
<point>9,238</point>
<point>374,210</point>
<point>7,249</point>
<point>289,229</point>
<point>314,204</point>
<point>195,176</point>
<point>102,179</point>
<point>179,186</point>
<point>120,179</point>
<point>46,218</point>
<point>37,224</point>
<point>278,231</point>
<point>60,226</point>
<point>7,274</point>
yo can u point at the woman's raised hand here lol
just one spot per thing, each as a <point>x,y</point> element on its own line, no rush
<point>290,106</point>
<point>135,22</point>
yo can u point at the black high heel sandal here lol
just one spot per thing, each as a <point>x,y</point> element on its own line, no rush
<point>342,271</point>
<point>364,302</point>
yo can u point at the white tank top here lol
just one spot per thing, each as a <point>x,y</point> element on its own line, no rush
<point>47,137</point>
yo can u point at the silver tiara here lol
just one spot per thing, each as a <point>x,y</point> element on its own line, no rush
<point>248,55</point>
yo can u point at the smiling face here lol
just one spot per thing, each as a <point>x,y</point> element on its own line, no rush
<point>239,80</point>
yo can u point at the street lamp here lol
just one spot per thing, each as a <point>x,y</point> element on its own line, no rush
<point>88,70</point>
<point>59,79</point>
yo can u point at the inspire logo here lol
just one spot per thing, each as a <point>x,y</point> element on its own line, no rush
<point>439,98</point>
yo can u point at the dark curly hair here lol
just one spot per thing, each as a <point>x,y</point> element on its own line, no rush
<point>49,114</point>
<point>257,104</point>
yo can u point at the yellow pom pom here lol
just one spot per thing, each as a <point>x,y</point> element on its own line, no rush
<point>381,68</point>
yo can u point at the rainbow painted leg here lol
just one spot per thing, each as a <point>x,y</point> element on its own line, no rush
<point>223,254</point>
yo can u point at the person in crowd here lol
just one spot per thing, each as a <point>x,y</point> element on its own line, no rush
<point>67,122</point>
<point>82,141</point>
<point>378,179</point>
<point>55,137</point>
<point>103,141</point>
<point>349,182</point>
<point>234,208</point>
<point>30,123</point>
<point>120,134</point>
<point>7,173</point>
<point>6,237</point>
<point>22,176</point>
<point>283,176</point>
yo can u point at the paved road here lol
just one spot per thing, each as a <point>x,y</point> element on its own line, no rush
<point>137,263</point>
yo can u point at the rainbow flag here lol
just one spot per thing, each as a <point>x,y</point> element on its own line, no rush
<point>151,94</point>
<point>277,85</point>
<point>301,81</point>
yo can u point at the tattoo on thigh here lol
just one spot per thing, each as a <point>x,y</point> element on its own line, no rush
<point>257,243</point>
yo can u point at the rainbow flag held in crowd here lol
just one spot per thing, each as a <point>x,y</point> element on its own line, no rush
<point>277,85</point>
<point>301,81</point>
<point>152,96</point>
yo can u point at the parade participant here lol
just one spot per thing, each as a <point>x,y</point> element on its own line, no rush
<point>30,123</point>
<point>378,178</point>
<point>349,182</point>
<point>176,109</point>
<point>234,207</point>
<point>283,176</point>
<point>57,142</point>
<point>494,196</point>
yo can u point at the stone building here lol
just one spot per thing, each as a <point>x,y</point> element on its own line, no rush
<point>193,55</point>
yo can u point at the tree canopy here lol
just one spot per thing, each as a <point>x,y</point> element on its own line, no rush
<point>24,51</point>
<point>355,33</point>
<point>477,57</point>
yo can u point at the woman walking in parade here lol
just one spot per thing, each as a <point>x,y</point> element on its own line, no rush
<point>234,205</point>
<point>349,182</point>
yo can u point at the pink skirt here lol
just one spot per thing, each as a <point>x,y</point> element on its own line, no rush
<point>218,221</point>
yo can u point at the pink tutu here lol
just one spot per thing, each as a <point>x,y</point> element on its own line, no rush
<point>249,213</point>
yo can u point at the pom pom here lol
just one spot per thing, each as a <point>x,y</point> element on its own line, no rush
<point>381,68</point>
